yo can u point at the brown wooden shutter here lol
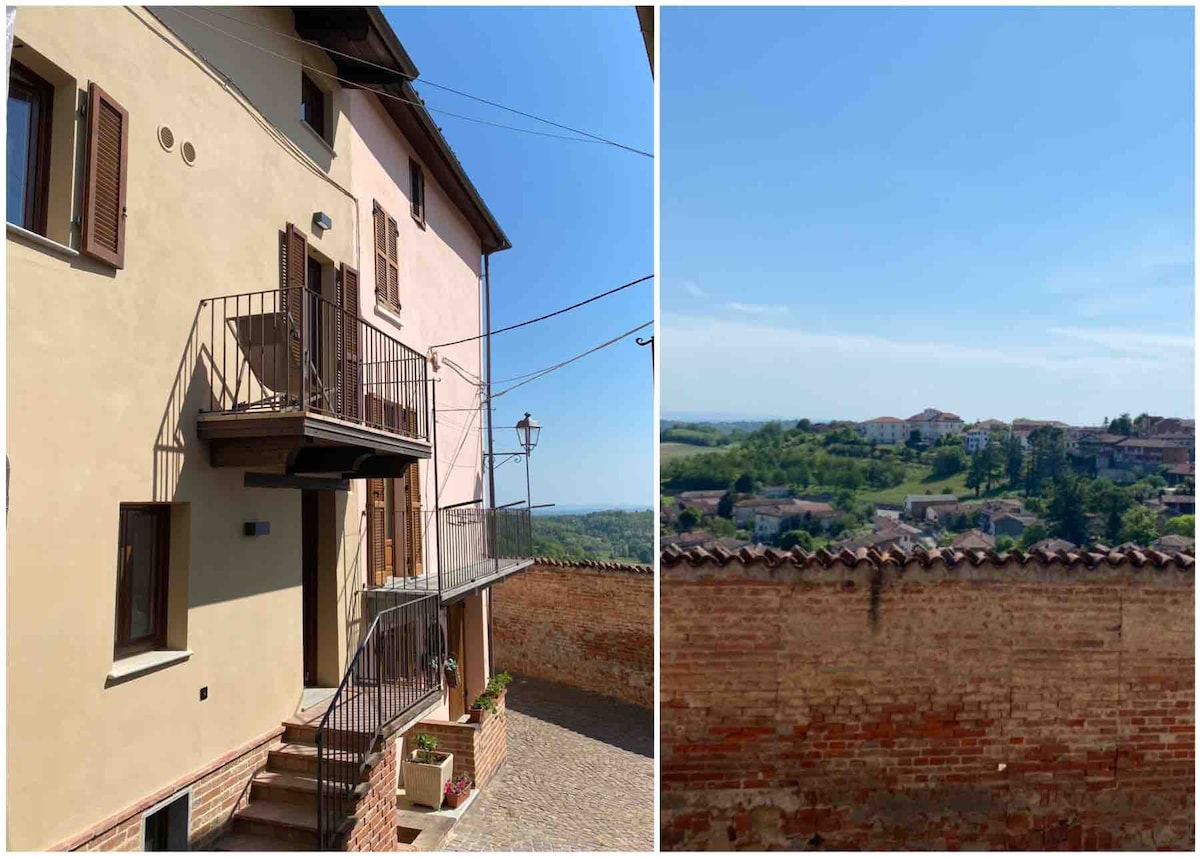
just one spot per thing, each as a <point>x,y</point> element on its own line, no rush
<point>377,551</point>
<point>293,269</point>
<point>349,346</point>
<point>414,541</point>
<point>106,165</point>
<point>381,262</point>
<point>393,257</point>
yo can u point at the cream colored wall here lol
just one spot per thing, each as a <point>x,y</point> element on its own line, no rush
<point>102,410</point>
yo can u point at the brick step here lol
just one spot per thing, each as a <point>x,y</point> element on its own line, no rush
<point>273,786</point>
<point>252,842</point>
<point>295,732</point>
<point>295,825</point>
<point>301,759</point>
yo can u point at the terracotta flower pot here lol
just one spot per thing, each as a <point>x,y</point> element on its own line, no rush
<point>425,783</point>
<point>455,801</point>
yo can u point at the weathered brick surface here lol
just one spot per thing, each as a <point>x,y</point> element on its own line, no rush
<point>974,707</point>
<point>479,748</point>
<point>589,627</point>
<point>217,793</point>
<point>374,815</point>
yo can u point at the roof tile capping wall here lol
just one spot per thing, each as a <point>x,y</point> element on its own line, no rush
<point>1098,557</point>
<point>602,565</point>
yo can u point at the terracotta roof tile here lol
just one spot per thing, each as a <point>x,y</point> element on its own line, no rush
<point>822,558</point>
<point>601,565</point>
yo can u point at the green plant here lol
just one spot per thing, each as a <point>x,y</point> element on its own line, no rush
<point>498,683</point>
<point>486,702</point>
<point>426,747</point>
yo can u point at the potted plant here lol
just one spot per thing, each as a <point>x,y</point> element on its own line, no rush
<point>458,790</point>
<point>483,705</point>
<point>498,684</point>
<point>426,772</point>
<point>451,672</point>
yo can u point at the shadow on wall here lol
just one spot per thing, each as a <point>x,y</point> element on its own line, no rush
<point>224,565</point>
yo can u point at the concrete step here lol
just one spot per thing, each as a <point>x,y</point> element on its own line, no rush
<point>295,732</point>
<point>295,825</point>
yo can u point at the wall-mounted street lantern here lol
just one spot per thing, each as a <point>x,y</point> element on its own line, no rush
<point>528,430</point>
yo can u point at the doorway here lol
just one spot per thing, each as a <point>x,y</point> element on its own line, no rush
<point>310,527</point>
<point>455,622</point>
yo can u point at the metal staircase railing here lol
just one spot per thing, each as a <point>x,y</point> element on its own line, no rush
<point>396,669</point>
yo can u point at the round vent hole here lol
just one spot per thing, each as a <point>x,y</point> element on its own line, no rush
<point>166,137</point>
<point>189,152</point>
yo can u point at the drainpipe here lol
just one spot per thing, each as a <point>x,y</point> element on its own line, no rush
<point>491,458</point>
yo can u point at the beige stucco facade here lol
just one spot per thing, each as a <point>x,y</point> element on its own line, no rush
<point>105,380</point>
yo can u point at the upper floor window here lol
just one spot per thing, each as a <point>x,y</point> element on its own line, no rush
<point>312,106</point>
<point>387,258</point>
<point>30,109</point>
<point>417,184</point>
<point>143,546</point>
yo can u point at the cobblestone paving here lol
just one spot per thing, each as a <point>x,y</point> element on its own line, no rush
<point>579,776</point>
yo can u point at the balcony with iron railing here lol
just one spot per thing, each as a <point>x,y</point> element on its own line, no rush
<point>290,364</point>
<point>474,547</point>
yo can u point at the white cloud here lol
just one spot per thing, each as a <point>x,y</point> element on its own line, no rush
<point>752,366</point>
<point>758,309</point>
<point>692,289</point>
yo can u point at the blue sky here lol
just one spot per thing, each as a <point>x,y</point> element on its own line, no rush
<point>873,211</point>
<point>580,217</point>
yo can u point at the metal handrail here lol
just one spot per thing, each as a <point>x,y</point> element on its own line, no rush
<point>293,350</point>
<point>388,676</point>
<point>474,543</point>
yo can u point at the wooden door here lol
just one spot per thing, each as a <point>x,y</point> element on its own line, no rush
<point>309,529</point>
<point>455,616</point>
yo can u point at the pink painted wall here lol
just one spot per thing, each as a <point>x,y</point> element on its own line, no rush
<point>440,266</point>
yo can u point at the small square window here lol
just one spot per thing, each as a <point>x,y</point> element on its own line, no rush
<point>166,828</point>
<point>143,547</point>
<point>312,105</point>
<point>417,188</point>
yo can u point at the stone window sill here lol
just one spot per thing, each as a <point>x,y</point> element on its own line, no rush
<point>145,662</point>
<point>41,241</point>
<point>389,312</point>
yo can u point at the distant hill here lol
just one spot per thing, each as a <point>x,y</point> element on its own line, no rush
<point>606,535</point>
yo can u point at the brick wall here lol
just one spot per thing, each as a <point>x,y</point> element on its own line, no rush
<point>374,825</point>
<point>942,703</point>
<point>479,748</point>
<point>590,625</point>
<point>218,791</point>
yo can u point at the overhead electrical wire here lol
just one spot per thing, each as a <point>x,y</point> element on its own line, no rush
<point>533,376</point>
<point>586,138</point>
<point>549,315</point>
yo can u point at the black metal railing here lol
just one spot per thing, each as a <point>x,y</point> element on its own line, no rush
<point>396,668</point>
<point>293,350</point>
<point>474,542</point>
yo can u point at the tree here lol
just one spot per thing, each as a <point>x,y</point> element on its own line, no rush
<point>688,519</point>
<point>744,484</point>
<point>949,460</point>
<point>1122,425</point>
<point>914,439</point>
<point>1139,525</point>
<point>718,526</point>
<point>1109,500</point>
<point>796,538</point>
<point>1142,423</point>
<point>1014,455</point>
<point>1033,534</point>
<point>1066,512</point>
<point>725,504</point>
<point>1004,543</point>
<point>1183,525</point>
<point>804,425</point>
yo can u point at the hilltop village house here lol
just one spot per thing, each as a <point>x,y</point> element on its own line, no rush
<point>931,424</point>
<point>279,558</point>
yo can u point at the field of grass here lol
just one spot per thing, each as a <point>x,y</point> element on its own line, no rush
<point>669,451</point>
<point>918,481</point>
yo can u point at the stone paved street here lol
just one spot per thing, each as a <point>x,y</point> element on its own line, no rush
<point>579,776</point>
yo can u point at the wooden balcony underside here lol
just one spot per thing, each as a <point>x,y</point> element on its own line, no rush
<point>307,443</point>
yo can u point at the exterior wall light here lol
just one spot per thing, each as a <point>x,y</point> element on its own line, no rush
<point>527,433</point>
<point>321,220</point>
